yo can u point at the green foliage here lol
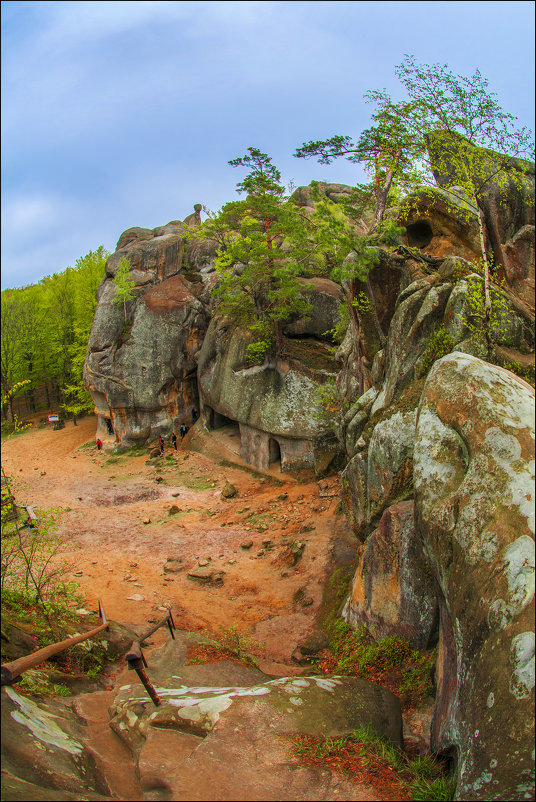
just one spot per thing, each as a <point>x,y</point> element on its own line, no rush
<point>36,682</point>
<point>330,405</point>
<point>440,344</point>
<point>362,303</point>
<point>438,789</point>
<point>463,127</point>
<point>264,247</point>
<point>45,330</point>
<point>238,643</point>
<point>422,778</point>
<point>358,653</point>
<point>336,334</point>
<point>487,322</point>
<point>321,749</point>
<point>523,373</point>
<point>91,656</point>
<point>32,572</point>
<point>124,284</point>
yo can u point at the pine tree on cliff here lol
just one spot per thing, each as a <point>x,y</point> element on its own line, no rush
<point>264,248</point>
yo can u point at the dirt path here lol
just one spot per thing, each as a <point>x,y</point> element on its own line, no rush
<point>118,533</point>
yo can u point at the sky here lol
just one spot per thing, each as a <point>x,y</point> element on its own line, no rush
<point>120,114</point>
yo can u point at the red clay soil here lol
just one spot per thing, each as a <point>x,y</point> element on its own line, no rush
<point>118,533</point>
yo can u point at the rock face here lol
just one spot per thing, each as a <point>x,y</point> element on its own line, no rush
<point>508,204</point>
<point>275,404</point>
<point>222,731</point>
<point>140,366</point>
<point>440,222</point>
<point>392,591</point>
<point>474,506</point>
<point>225,727</point>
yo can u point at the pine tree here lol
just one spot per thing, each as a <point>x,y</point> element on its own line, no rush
<point>264,248</point>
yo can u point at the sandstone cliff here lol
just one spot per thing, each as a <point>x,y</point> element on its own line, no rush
<point>436,443</point>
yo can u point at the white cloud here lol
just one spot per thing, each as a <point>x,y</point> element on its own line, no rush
<point>31,215</point>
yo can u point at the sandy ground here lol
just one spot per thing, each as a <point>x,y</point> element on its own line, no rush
<point>118,533</point>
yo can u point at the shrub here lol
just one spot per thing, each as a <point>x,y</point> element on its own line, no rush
<point>440,344</point>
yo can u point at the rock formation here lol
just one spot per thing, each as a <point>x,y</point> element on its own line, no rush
<point>474,506</point>
<point>222,731</point>
<point>434,441</point>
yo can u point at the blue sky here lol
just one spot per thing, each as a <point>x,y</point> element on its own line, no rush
<point>117,114</point>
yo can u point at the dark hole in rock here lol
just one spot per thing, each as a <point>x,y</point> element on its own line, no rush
<point>420,234</point>
<point>274,451</point>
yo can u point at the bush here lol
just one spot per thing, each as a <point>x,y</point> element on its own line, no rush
<point>440,344</point>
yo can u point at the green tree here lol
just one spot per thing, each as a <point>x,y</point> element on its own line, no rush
<point>44,335</point>
<point>469,139</point>
<point>264,248</point>
<point>124,284</point>
<point>88,276</point>
<point>389,151</point>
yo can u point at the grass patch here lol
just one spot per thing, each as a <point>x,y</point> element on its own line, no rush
<point>87,446</point>
<point>260,520</point>
<point>368,759</point>
<point>37,682</point>
<point>229,644</point>
<point>186,479</point>
<point>390,662</point>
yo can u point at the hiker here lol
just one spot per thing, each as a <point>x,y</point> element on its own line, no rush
<point>161,443</point>
<point>174,441</point>
<point>194,414</point>
<point>99,443</point>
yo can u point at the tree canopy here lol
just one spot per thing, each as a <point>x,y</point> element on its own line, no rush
<point>44,335</point>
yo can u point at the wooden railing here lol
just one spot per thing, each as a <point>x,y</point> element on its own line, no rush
<point>136,659</point>
<point>12,672</point>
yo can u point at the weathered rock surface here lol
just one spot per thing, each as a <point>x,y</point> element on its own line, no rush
<point>392,592</point>
<point>140,366</point>
<point>221,732</point>
<point>508,195</point>
<point>276,404</point>
<point>474,504</point>
<point>377,477</point>
<point>441,222</point>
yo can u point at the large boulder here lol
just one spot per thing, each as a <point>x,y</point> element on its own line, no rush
<point>392,591</point>
<point>276,404</point>
<point>140,366</point>
<point>474,510</point>
<point>325,298</point>
<point>381,474</point>
<point>223,731</point>
<point>141,371</point>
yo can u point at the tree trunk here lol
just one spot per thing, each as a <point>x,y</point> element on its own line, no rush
<point>487,293</point>
<point>383,194</point>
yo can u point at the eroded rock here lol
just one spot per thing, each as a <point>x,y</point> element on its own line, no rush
<point>392,592</point>
<point>474,503</point>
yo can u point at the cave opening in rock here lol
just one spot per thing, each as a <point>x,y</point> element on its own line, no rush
<point>419,234</point>
<point>274,451</point>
